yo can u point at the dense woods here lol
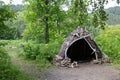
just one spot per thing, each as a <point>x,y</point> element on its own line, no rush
<point>39,27</point>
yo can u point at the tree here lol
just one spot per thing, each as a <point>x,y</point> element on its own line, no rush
<point>57,14</point>
<point>5,14</point>
<point>83,15</point>
<point>43,12</point>
<point>45,17</point>
<point>80,11</point>
<point>39,9</point>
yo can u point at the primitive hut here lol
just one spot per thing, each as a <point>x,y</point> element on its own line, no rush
<point>79,45</point>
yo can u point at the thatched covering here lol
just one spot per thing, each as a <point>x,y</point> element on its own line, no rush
<point>79,45</point>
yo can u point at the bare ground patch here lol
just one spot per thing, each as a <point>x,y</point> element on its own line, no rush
<point>85,71</point>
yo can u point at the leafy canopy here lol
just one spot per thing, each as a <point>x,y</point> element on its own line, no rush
<point>5,14</point>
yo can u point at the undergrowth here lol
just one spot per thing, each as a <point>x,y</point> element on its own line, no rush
<point>41,53</point>
<point>7,70</point>
<point>109,41</point>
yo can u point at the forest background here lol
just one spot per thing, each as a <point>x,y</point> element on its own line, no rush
<point>38,28</point>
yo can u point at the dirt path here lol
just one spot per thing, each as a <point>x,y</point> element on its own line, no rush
<point>85,71</point>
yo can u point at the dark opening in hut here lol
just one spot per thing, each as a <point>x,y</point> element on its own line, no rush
<point>80,49</point>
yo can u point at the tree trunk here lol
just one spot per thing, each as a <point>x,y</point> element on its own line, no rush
<point>46,23</point>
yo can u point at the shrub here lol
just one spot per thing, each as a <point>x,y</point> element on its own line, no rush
<point>7,70</point>
<point>48,51</point>
<point>31,50</point>
<point>42,53</point>
<point>109,41</point>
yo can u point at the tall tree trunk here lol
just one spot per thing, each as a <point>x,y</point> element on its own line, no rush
<point>46,22</point>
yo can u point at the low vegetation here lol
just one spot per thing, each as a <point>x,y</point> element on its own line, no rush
<point>7,70</point>
<point>40,53</point>
<point>109,41</point>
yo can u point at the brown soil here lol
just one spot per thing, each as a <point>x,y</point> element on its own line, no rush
<point>85,71</point>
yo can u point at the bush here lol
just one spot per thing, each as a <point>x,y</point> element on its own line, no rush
<point>7,70</point>
<point>42,53</point>
<point>3,43</point>
<point>48,51</point>
<point>109,41</point>
<point>31,50</point>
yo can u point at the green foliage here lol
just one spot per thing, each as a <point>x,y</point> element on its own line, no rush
<point>99,14</point>
<point>6,14</point>
<point>34,32</point>
<point>109,41</point>
<point>7,70</point>
<point>31,50</point>
<point>48,17</point>
<point>17,25</point>
<point>80,12</point>
<point>88,13</point>
<point>45,16</point>
<point>8,33</point>
<point>48,51</point>
<point>3,43</point>
<point>42,53</point>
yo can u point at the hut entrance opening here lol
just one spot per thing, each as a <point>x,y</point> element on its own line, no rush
<point>80,50</point>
